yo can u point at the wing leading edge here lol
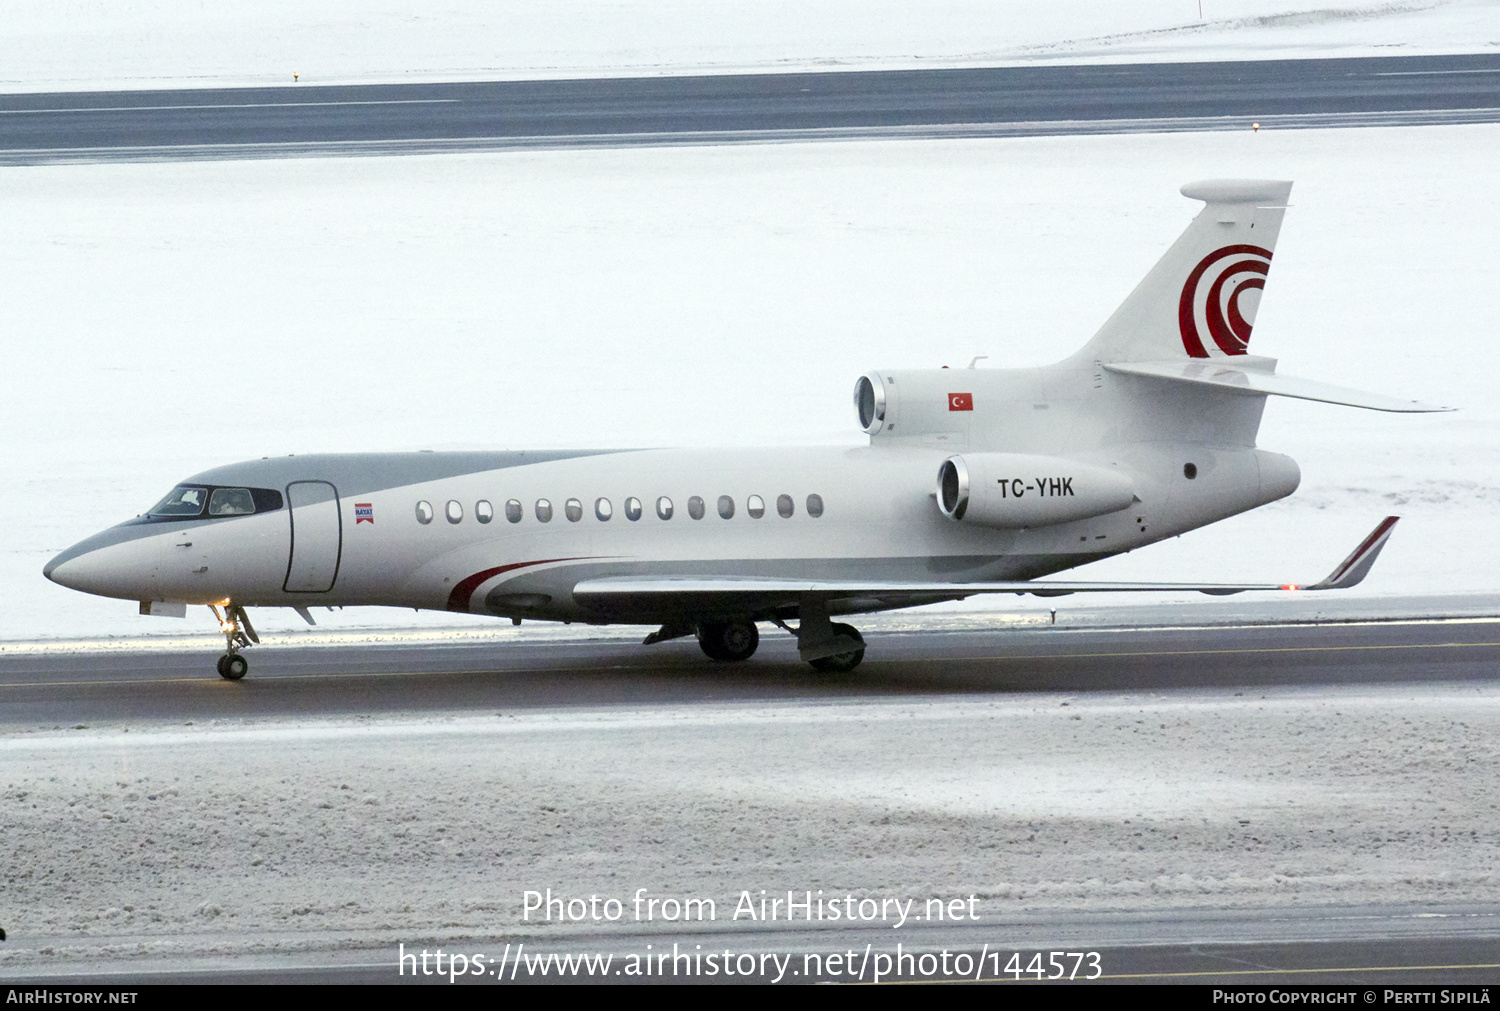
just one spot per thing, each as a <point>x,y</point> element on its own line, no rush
<point>758,591</point>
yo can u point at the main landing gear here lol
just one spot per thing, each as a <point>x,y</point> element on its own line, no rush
<point>238,634</point>
<point>841,663</point>
<point>729,640</point>
<point>830,647</point>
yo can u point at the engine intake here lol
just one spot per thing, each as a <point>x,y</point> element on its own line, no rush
<point>870,402</point>
<point>1013,490</point>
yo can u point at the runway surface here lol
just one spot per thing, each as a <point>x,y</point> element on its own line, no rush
<point>1370,946</point>
<point>1364,944</point>
<point>1382,962</point>
<point>60,689</point>
<point>409,118</point>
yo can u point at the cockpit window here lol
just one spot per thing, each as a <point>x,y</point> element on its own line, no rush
<point>182,501</point>
<point>190,501</point>
<point>231,502</point>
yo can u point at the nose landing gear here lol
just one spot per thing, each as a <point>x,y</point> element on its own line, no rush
<point>232,666</point>
<point>238,634</point>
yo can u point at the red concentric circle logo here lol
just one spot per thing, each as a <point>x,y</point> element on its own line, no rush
<point>1210,313</point>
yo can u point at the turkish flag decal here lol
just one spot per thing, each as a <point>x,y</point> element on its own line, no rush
<point>960,401</point>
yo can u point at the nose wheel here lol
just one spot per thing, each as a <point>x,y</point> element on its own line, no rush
<point>238,634</point>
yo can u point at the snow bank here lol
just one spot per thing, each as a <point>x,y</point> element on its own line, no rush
<point>164,318</point>
<point>282,836</point>
<point>57,45</point>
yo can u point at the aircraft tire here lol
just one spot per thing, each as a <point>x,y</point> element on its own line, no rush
<point>232,666</point>
<point>729,641</point>
<point>841,663</point>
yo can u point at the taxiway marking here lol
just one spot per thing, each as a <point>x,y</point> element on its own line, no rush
<point>231,105</point>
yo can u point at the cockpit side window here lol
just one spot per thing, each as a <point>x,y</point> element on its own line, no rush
<point>231,502</point>
<point>183,500</point>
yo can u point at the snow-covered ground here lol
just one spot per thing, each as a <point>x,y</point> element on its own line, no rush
<point>163,318</point>
<point>320,835</point>
<point>63,45</point>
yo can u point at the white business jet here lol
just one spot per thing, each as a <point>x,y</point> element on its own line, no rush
<point>974,481</point>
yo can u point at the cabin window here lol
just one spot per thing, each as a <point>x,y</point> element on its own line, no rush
<point>695,507</point>
<point>424,513</point>
<point>664,508</point>
<point>815,506</point>
<point>513,510</point>
<point>544,510</point>
<point>573,510</point>
<point>231,502</point>
<point>755,506</point>
<point>785,507</point>
<point>726,507</point>
<point>455,511</point>
<point>1190,470</point>
<point>483,511</point>
<point>632,509</point>
<point>603,510</point>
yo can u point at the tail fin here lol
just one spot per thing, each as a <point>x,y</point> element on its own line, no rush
<point>1199,300</point>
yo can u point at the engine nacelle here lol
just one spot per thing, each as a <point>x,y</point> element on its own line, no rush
<point>1023,490</point>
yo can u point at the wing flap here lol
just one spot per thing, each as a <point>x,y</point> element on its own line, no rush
<point>761,592</point>
<point>693,586</point>
<point>1223,375</point>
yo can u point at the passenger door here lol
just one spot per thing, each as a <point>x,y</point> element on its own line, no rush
<point>317,537</point>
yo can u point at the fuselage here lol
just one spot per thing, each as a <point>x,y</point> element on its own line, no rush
<point>510,534</point>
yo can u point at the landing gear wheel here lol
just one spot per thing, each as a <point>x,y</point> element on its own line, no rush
<point>232,666</point>
<point>842,663</point>
<point>729,641</point>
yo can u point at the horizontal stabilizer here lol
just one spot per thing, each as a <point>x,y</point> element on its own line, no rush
<point>1251,381</point>
<point>757,592</point>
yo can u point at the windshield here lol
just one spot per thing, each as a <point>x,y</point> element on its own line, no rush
<point>191,501</point>
<point>182,501</point>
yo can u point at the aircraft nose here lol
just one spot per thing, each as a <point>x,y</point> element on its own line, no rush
<point>70,569</point>
<point>113,563</point>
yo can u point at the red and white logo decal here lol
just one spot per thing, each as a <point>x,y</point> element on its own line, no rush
<point>364,512</point>
<point>960,401</point>
<point>1218,301</point>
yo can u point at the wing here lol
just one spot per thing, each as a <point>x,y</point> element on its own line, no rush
<point>692,593</point>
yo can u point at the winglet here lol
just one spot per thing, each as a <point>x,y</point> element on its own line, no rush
<point>1354,568</point>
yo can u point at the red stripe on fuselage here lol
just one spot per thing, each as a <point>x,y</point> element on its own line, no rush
<point>458,600</point>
